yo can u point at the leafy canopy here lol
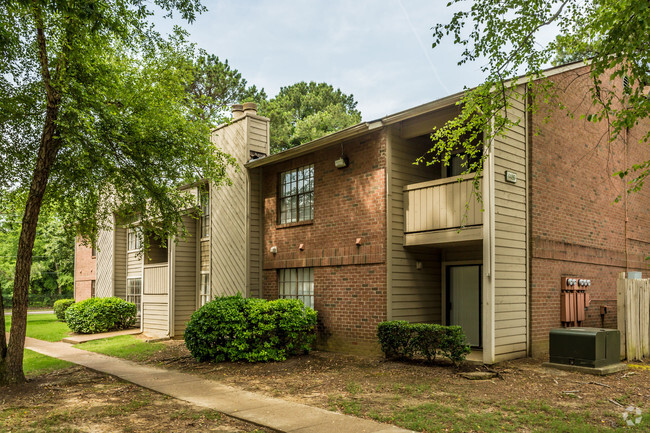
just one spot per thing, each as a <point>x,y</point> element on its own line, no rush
<point>126,129</point>
<point>306,111</point>
<point>508,36</point>
<point>215,86</point>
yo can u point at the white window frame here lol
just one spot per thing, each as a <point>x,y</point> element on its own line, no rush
<point>297,283</point>
<point>133,239</point>
<point>136,298</point>
<point>296,195</point>
<point>205,294</point>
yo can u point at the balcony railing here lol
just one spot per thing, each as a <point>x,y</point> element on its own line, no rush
<point>156,279</point>
<point>442,205</point>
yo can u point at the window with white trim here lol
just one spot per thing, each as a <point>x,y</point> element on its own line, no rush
<point>134,292</point>
<point>297,195</point>
<point>134,239</point>
<point>297,284</point>
<point>204,290</point>
<point>205,214</point>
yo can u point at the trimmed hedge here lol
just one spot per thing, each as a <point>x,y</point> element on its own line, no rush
<point>233,328</point>
<point>97,315</point>
<point>60,306</point>
<point>404,340</point>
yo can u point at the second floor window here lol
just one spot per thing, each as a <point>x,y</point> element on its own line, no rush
<point>297,195</point>
<point>134,239</point>
<point>205,214</point>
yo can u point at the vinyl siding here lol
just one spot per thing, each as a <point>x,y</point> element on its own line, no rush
<point>155,317</point>
<point>228,216</point>
<point>415,294</point>
<point>185,284</point>
<point>511,321</point>
<point>119,263</point>
<point>104,273</point>
<point>255,234</point>
<point>133,264</point>
<point>205,255</point>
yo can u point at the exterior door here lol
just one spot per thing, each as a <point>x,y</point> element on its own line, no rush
<point>464,300</point>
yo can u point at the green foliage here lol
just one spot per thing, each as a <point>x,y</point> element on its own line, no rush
<point>246,329</point>
<point>96,315</point>
<point>509,37</point>
<point>403,340</point>
<point>304,112</point>
<point>61,306</point>
<point>215,86</point>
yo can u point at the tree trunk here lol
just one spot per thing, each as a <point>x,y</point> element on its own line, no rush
<point>11,365</point>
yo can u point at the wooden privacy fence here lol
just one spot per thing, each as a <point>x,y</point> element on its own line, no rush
<point>633,315</point>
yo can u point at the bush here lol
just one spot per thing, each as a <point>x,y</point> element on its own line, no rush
<point>234,328</point>
<point>97,315</point>
<point>403,340</point>
<point>60,307</point>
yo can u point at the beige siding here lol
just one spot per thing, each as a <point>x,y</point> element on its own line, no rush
<point>104,273</point>
<point>155,317</point>
<point>205,255</point>
<point>133,264</point>
<point>258,135</point>
<point>228,216</point>
<point>185,284</point>
<point>415,295</point>
<point>255,234</point>
<point>510,317</point>
<point>119,263</point>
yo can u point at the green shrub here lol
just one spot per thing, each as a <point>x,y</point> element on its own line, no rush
<point>97,315</point>
<point>60,307</point>
<point>403,340</point>
<point>234,328</point>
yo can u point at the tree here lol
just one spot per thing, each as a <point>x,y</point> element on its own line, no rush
<point>306,111</point>
<point>508,37</point>
<point>94,121</point>
<point>215,86</point>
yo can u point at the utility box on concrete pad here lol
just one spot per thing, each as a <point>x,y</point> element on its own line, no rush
<point>584,347</point>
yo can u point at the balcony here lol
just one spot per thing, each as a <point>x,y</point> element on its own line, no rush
<point>156,279</point>
<point>435,210</point>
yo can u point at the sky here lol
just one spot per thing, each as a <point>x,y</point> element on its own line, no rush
<point>379,51</point>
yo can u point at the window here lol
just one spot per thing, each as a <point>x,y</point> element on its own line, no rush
<point>92,288</point>
<point>204,291</point>
<point>93,251</point>
<point>297,195</point>
<point>205,214</point>
<point>458,163</point>
<point>134,239</point>
<point>134,292</point>
<point>297,284</point>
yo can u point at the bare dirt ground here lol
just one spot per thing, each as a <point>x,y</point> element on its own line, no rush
<point>384,390</point>
<point>79,400</point>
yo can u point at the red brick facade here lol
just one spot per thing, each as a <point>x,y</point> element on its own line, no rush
<point>84,272</point>
<point>349,203</point>
<point>576,227</point>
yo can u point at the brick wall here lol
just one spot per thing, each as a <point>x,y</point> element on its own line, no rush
<point>85,266</point>
<point>576,227</point>
<point>349,203</point>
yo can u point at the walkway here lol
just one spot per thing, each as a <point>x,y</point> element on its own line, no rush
<point>273,413</point>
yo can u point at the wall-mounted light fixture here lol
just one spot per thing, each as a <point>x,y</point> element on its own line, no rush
<point>301,247</point>
<point>274,249</point>
<point>343,161</point>
<point>358,242</point>
<point>418,265</point>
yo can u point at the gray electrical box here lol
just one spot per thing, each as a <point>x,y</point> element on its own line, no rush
<point>586,347</point>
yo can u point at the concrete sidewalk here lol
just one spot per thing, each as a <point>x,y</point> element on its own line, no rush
<point>272,413</point>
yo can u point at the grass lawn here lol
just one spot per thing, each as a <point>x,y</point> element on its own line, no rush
<point>43,326</point>
<point>35,363</point>
<point>122,346</point>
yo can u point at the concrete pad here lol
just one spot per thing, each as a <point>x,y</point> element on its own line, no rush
<point>478,375</point>
<point>286,416</point>
<point>598,371</point>
<point>343,423</point>
<point>82,338</point>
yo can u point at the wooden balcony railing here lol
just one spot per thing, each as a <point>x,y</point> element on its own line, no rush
<point>441,204</point>
<point>156,279</point>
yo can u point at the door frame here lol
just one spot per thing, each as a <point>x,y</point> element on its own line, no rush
<point>445,293</point>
